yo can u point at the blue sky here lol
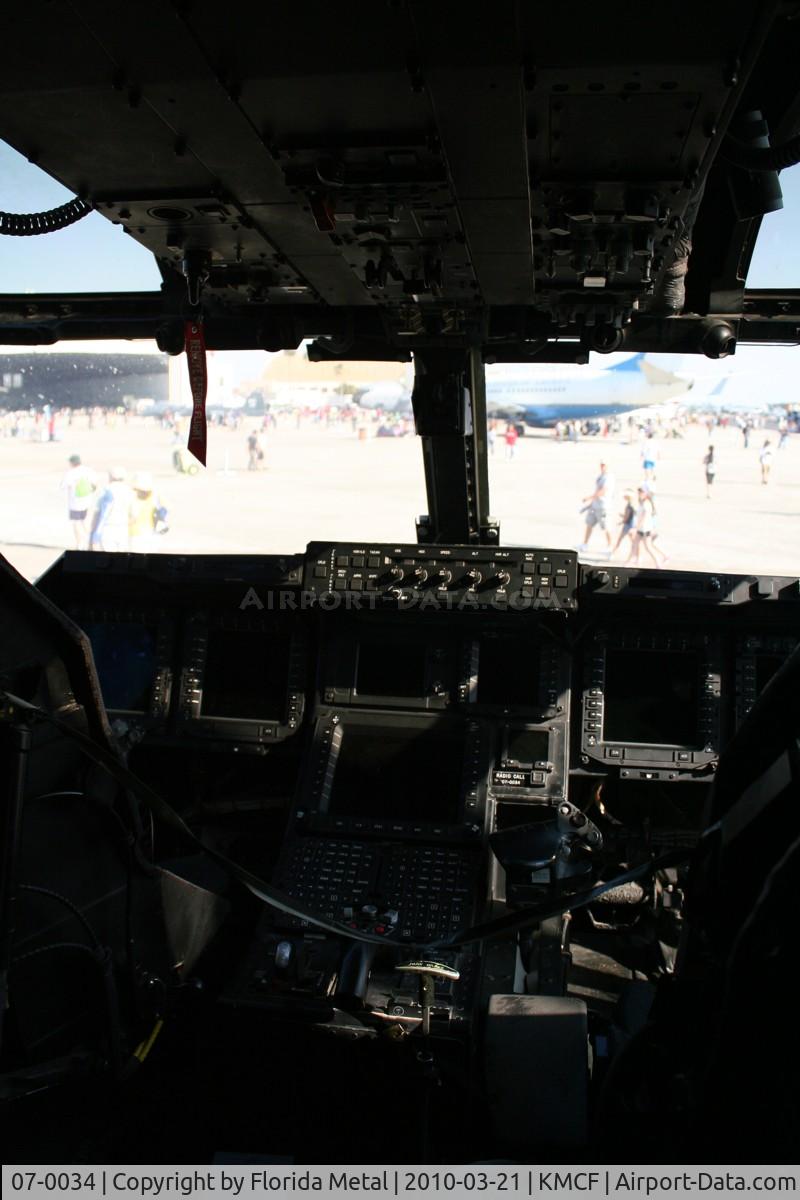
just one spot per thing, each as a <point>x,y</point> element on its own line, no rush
<point>95,255</point>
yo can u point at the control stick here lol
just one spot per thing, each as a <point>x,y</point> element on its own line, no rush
<point>428,972</point>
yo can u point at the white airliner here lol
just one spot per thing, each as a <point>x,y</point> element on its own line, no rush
<point>543,395</point>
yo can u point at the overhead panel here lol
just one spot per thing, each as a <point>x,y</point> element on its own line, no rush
<point>375,221</point>
<point>413,174</point>
<point>361,156</point>
<point>479,110</point>
<point>620,138</point>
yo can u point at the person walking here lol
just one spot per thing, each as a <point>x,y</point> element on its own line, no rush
<point>649,456</point>
<point>765,460</point>
<point>595,506</point>
<point>653,540</point>
<point>112,518</point>
<point>645,521</point>
<point>79,483</point>
<point>143,514</point>
<point>711,470</point>
<point>511,436</point>
<point>627,521</point>
<point>255,455</point>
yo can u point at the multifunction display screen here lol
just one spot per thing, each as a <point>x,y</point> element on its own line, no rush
<point>508,672</point>
<point>400,773</point>
<point>125,658</point>
<point>652,697</point>
<point>391,664</point>
<point>246,675</point>
<point>527,746</point>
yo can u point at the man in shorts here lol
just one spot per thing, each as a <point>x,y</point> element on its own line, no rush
<point>80,486</point>
<point>595,507</point>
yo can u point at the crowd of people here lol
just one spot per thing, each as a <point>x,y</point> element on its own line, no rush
<point>638,521</point>
<point>638,530</point>
<point>50,423</point>
<point>107,512</point>
<point>112,509</point>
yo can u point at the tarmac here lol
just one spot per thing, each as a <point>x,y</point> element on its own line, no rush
<point>321,484</point>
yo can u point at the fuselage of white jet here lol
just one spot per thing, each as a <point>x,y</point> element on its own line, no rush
<point>543,395</point>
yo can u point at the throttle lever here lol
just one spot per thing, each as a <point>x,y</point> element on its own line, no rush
<point>428,972</point>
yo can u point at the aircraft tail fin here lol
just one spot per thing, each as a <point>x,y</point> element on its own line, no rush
<point>718,390</point>
<point>657,375</point>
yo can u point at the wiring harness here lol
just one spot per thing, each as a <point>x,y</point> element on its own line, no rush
<point>30,224</point>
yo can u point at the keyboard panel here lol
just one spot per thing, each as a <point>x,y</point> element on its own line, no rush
<point>407,893</point>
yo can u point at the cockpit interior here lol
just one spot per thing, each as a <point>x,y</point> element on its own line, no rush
<point>446,850</point>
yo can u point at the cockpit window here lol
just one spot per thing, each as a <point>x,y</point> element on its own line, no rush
<point>94,438</point>
<point>90,256</point>
<point>637,459</point>
<point>775,260</point>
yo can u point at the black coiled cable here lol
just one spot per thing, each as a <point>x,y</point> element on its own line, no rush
<point>30,224</point>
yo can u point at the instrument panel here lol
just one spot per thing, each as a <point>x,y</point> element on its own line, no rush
<point>418,736</point>
<point>588,673</point>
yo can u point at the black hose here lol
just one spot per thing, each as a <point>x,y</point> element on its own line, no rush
<point>102,959</point>
<point>77,947</point>
<point>73,908</point>
<point>761,158</point>
<point>30,224</point>
<point>133,854</point>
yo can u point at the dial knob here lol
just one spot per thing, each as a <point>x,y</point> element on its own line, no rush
<point>393,575</point>
<point>416,577</point>
<point>441,577</point>
<point>498,579</point>
<point>472,577</point>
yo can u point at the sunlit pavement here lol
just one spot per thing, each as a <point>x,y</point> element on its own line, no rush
<point>326,483</point>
